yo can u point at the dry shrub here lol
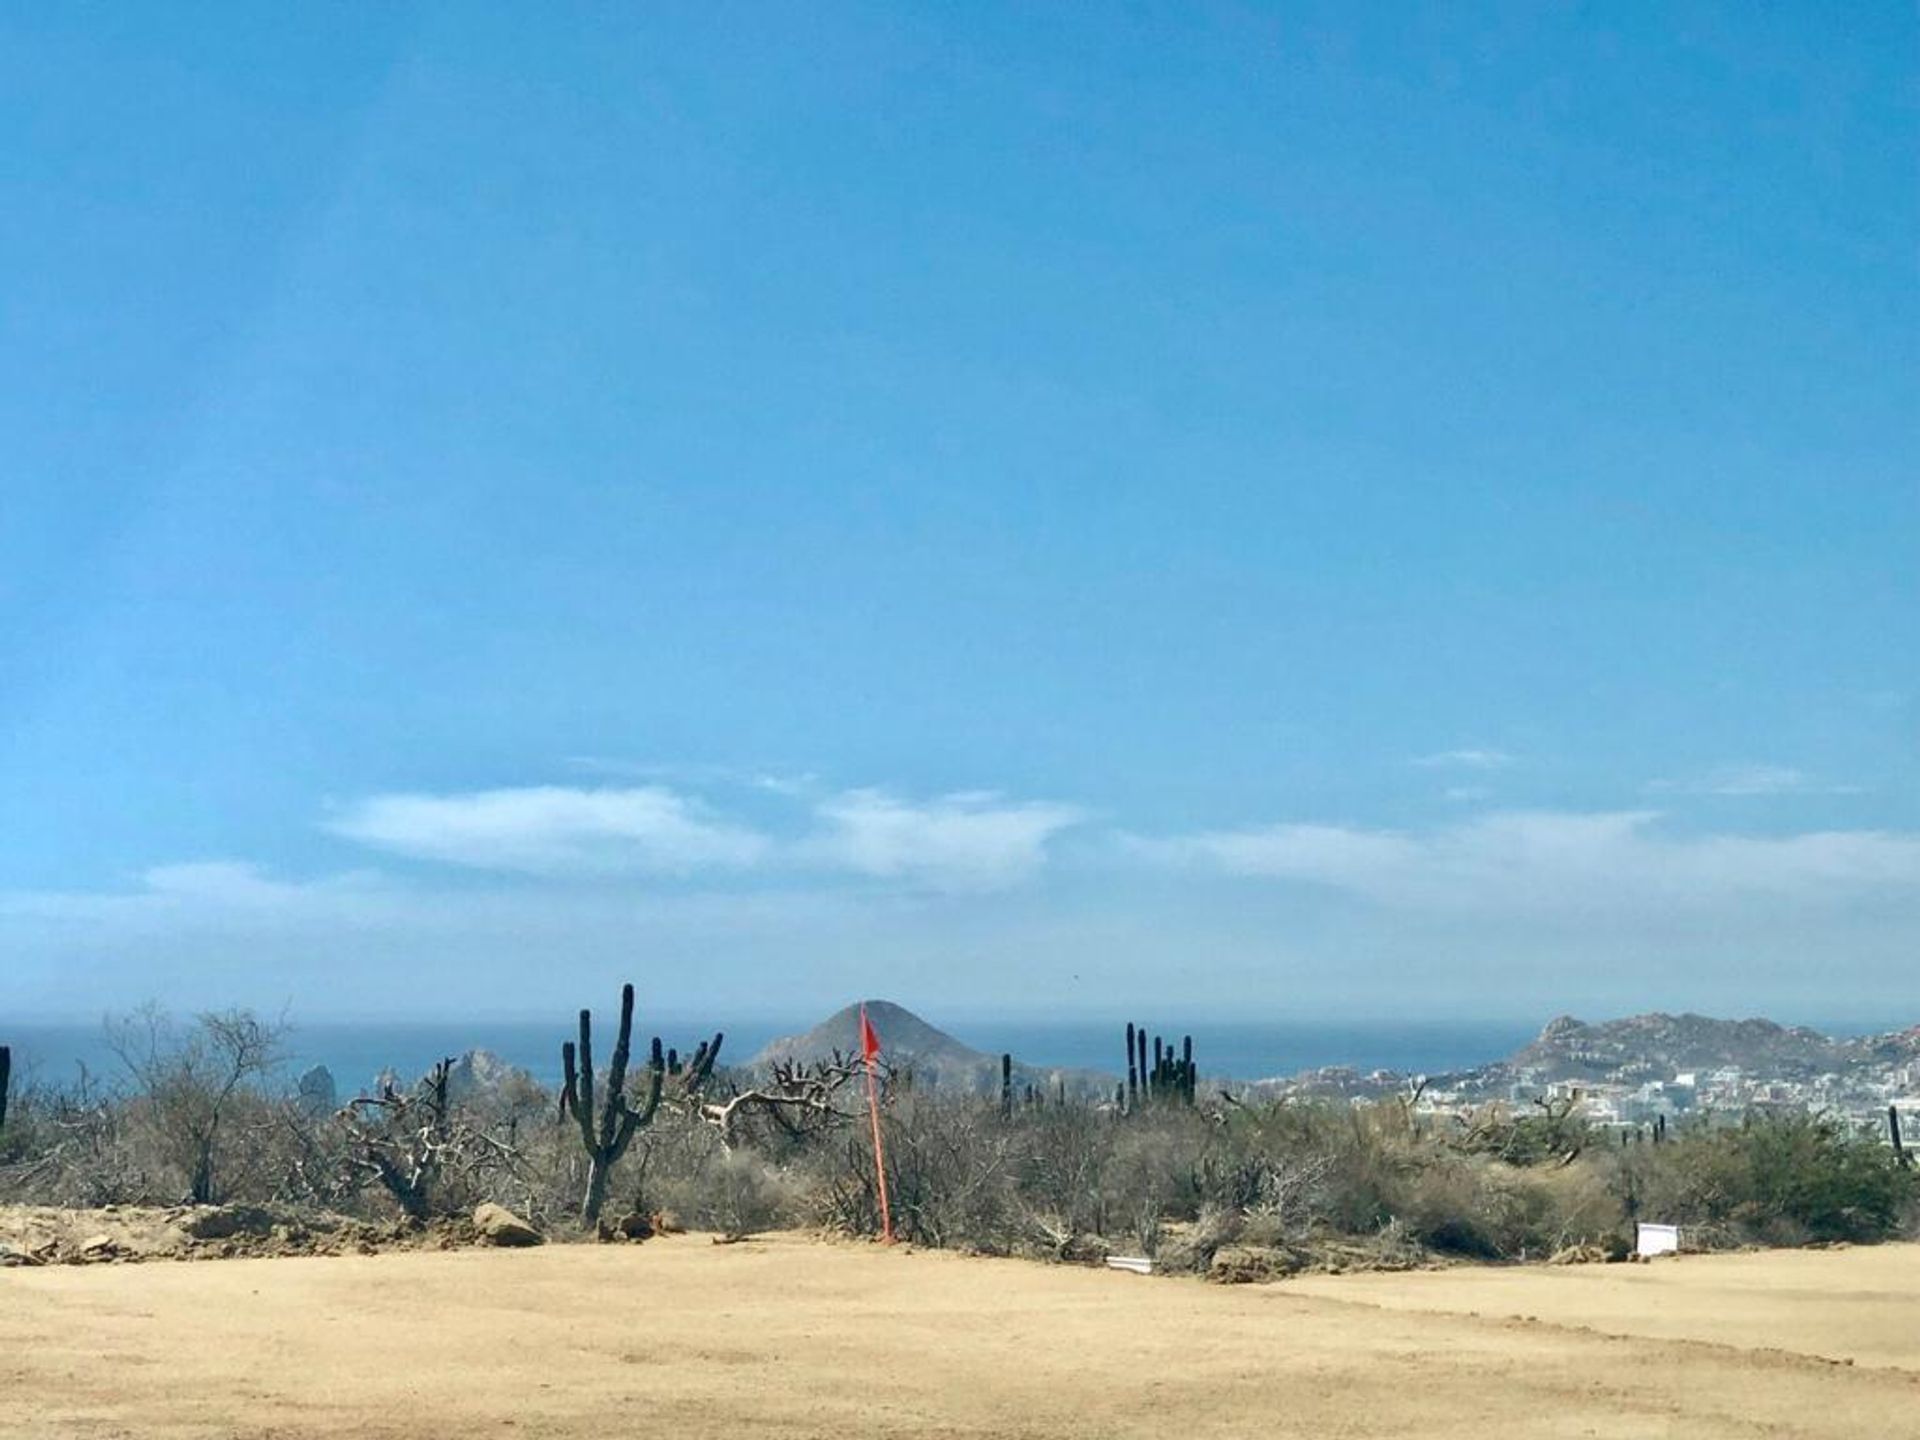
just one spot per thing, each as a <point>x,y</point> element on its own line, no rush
<point>1355,1184</point>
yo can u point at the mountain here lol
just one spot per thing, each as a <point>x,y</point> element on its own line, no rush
<point>910,1044</point>
<point>905,1041</point>
<point>1571,1049</point>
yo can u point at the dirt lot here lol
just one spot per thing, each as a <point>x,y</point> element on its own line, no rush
<point>683,1338</point>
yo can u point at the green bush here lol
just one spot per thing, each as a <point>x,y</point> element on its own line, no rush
<point>1780,1180</point>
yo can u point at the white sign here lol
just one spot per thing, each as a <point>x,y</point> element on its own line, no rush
<point>1656,1240</point>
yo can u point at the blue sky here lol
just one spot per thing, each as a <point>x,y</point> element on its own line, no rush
<point>1346,510</point>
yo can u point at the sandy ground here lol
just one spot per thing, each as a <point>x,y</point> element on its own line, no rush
<point>686,1339</point>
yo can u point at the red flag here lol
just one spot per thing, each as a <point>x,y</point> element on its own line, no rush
<point>870,1052</point>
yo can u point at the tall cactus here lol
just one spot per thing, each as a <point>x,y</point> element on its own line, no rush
<point>1893,1128</point>
<point>1169,1076</point>
<point>6,1078</point>
<point>1133,1070</point>
<point>607,1135</point>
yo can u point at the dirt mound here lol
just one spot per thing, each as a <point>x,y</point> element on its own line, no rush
<point>1252,1264</point>
<point>118,1234</point>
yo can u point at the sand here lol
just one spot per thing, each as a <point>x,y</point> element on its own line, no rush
<point>686,1339</point>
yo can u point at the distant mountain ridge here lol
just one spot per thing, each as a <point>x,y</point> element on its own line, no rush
<point>1572,1049</point>
<point>1649,1046</point>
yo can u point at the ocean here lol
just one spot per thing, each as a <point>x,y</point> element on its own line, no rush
<point>355,1053</point>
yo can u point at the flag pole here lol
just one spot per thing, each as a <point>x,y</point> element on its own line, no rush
<point>870,1048</point>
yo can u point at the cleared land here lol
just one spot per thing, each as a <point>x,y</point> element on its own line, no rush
<point>686,1339</point>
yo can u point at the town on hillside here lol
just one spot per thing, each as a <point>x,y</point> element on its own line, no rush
<point>1639,1075</point>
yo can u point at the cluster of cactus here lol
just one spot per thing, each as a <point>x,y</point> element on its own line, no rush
<point>1657,1132</point>
<point>607,1134</point>
<point>1027,1094</point>
<point>1171,1076</point>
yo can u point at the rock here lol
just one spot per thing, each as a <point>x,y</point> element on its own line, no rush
<point>500,1226</point>
<point>1250,1264</point>
<point>482,1074</point>
<point>318,1093</point>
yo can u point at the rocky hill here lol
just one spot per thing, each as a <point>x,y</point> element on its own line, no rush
<point>1571,1049</point>
<point>1897,1047</point>
<point>476,1072</point>
<point>1660,1044</point>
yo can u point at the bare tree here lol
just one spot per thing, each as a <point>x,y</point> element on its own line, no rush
<point>426,1153</point>
<point>189,1081</point>
<point>797,1098</point>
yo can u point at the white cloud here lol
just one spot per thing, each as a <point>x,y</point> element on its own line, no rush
<point>970,840</point>
<point>1468,759</point>
<point>1573,866</point>
<point>1612,912</point>
<point>1752,780</point>
<point>555,830</point>
<point>966,841</point>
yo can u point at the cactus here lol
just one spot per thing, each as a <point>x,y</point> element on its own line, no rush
<point>1133,1071</point>
<point>1893,1129</point>
<point>1169,1075</point>
<point>1006,1083</point>
<point>607,1136</point>
<point>6,1077</point>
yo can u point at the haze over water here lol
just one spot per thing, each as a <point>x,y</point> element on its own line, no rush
<point>355,1053</point>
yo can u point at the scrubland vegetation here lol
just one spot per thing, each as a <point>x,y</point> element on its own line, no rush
<point>201,1114</point>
